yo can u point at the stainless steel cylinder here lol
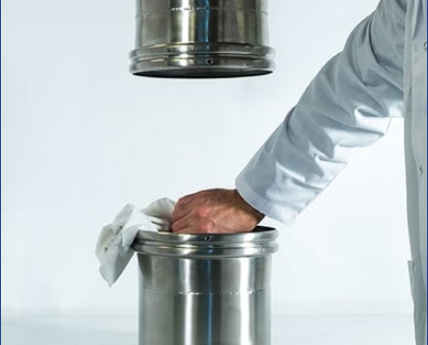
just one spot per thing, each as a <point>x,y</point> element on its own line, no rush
<point>201,39</point>
<point>205,290</point>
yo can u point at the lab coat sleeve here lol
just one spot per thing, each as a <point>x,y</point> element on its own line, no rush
<point>347,106</point>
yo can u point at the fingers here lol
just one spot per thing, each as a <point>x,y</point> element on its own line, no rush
<point>190,218</point>
<point>182,225</point>
<point>181,216</point>
<point>186,200</point>
<point>187,221</point>
<point>213,211</point>
<point>179,213</point>
<point>193,225</point>
<point>182,209</point>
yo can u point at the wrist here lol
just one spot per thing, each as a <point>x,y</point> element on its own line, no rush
<point>247,208</point>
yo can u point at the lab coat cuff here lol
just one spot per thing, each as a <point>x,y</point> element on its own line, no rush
<point>280,213</point>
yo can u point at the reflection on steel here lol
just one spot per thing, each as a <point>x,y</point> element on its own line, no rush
<point>205,289</point>
<point>201,39</point>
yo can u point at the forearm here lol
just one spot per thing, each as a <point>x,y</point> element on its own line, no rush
<point>346,107</point>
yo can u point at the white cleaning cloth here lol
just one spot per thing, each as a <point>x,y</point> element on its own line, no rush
<point>114,242</point>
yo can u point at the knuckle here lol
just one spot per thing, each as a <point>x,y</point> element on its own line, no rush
<point>206,226</point>
<point>202,212</point>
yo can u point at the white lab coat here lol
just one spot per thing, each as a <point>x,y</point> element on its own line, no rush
<point>382,72</point>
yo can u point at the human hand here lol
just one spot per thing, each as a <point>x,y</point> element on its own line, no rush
<point>214,211</point>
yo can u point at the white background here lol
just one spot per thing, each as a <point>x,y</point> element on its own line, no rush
<point>81,137</point>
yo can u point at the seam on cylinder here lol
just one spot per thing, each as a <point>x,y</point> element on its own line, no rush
<point>177,9</point>
<point>197,293</point>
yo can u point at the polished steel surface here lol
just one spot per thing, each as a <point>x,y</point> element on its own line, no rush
<point>201,39</point>
<point>205,289</point>
<point>261,241</point>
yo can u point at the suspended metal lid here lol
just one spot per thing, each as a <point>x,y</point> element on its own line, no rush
<point>201,39</point>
